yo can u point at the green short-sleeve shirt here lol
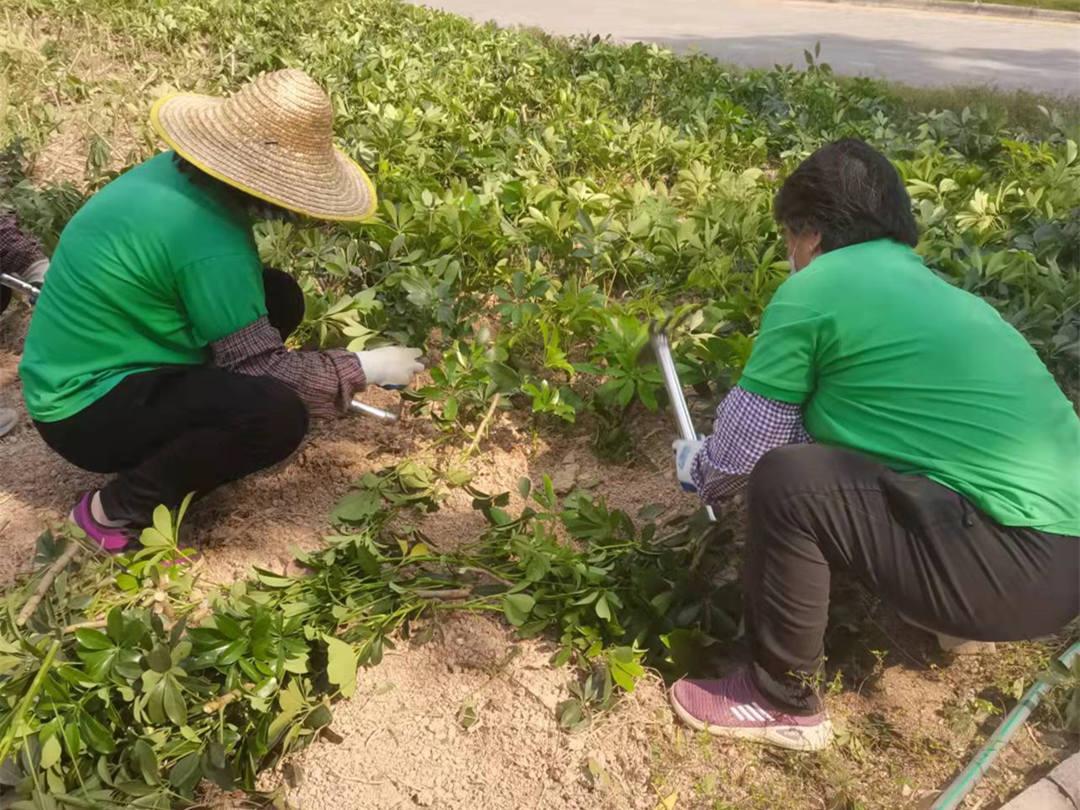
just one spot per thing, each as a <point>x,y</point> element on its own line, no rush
<point>888,359</point>
<point>147,274</point>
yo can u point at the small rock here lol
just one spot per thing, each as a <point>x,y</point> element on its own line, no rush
<point>565,478</point>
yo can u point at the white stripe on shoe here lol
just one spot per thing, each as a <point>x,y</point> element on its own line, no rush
<point>755,713</point>
<point>768,718</point>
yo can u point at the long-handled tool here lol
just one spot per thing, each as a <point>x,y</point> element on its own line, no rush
<point>32,292</point>
<point>356,406</point>
<point>17,284</point>
<point>661,346</point>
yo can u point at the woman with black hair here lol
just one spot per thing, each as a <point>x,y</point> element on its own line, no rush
<point>891,425</point>
<point>156,351</point>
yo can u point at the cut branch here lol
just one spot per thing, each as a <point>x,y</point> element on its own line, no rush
<point>51,574</point>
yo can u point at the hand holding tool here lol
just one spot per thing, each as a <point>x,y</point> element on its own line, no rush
<point>390,366</point>
<point>17,284</point>
<point>684,424</point>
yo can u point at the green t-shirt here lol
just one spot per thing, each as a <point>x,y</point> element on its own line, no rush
<point>147,274</point>
<point>888,359</point>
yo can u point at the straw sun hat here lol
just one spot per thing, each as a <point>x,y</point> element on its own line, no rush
<point>273,139</point>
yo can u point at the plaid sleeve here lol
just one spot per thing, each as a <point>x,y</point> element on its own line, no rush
<point>325,381</point>
<point>19,251</point>
<point>747,427</point>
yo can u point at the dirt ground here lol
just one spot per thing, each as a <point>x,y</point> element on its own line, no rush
<point>402,743</point>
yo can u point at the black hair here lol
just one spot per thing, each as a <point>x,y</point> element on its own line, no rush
<point>849,193</point>
<point>251,205</point>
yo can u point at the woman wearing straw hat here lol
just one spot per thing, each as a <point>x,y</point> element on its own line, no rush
<point>156,349</point>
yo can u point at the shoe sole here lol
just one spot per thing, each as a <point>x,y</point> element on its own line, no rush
<point>793,738</point>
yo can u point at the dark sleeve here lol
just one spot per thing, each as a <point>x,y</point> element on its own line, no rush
<point>325,381</point>
<point>18,249</point>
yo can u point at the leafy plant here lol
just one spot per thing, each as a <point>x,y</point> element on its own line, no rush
<point>1065,682</point>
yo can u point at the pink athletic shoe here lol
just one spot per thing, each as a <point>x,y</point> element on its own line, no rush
<point>734,707</point>
<point>108,539</point>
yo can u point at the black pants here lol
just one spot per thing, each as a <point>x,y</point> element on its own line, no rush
<point>919,546</point>
<point>182,429</point>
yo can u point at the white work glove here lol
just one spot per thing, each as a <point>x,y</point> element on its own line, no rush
<point>390,366</point>
<point>685,453</point>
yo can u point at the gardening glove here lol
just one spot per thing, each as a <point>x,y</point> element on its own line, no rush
<point>390,366</point>
<point>685,453</point>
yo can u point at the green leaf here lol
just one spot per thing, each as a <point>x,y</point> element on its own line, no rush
<point>602,609</point>
<point>185,773</point>
<point>159,658</point>
<point>93,639</point>
<point>175,707</point>
<point>652,511</point>
<point>504,378</point>
<point>290,699</point>
<point>625,669</point>
<point>467,715</point>
<point>115,624</point>
<point>163,521</point>
<point>562,657</point>
<point>319,717</point>
<point>517,607</point>
<point>341,665</point>
<point>183,508</point>
<point>273,580</point>
<point>229,627</point>
<point>524,486</point>
<point>133,788</point>
<point>95,734</point>
<point>457,476</point>
<point>570,714</point>
<point>73,740</point>
<point>357,506</point>
<point>147,761</point>
<point>50,752</point>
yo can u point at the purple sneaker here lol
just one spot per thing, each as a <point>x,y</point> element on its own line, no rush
<point>735,707</point>
<point>108,539</point>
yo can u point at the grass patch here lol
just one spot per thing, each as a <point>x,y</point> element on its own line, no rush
<point>1036,113</point>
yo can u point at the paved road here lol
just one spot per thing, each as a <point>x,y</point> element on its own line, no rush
<point>915,47</point>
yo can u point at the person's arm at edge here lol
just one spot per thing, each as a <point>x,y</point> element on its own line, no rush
<point>324,380</point>
<point>747,427</point>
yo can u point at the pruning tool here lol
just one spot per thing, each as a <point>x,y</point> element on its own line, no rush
<point>659,331</point>
<point>356,406</point>
<point>17,284</point>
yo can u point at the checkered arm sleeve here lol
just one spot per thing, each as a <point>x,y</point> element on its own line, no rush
<point>325,381</point>
<point>19,251</point>
<point>747,427</point>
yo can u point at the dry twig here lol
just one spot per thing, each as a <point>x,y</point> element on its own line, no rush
<point>46,582</point>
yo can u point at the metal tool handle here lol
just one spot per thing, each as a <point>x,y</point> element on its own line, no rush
<point>662,348</point>
<point>17,284</point>
<point>356,406</point>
